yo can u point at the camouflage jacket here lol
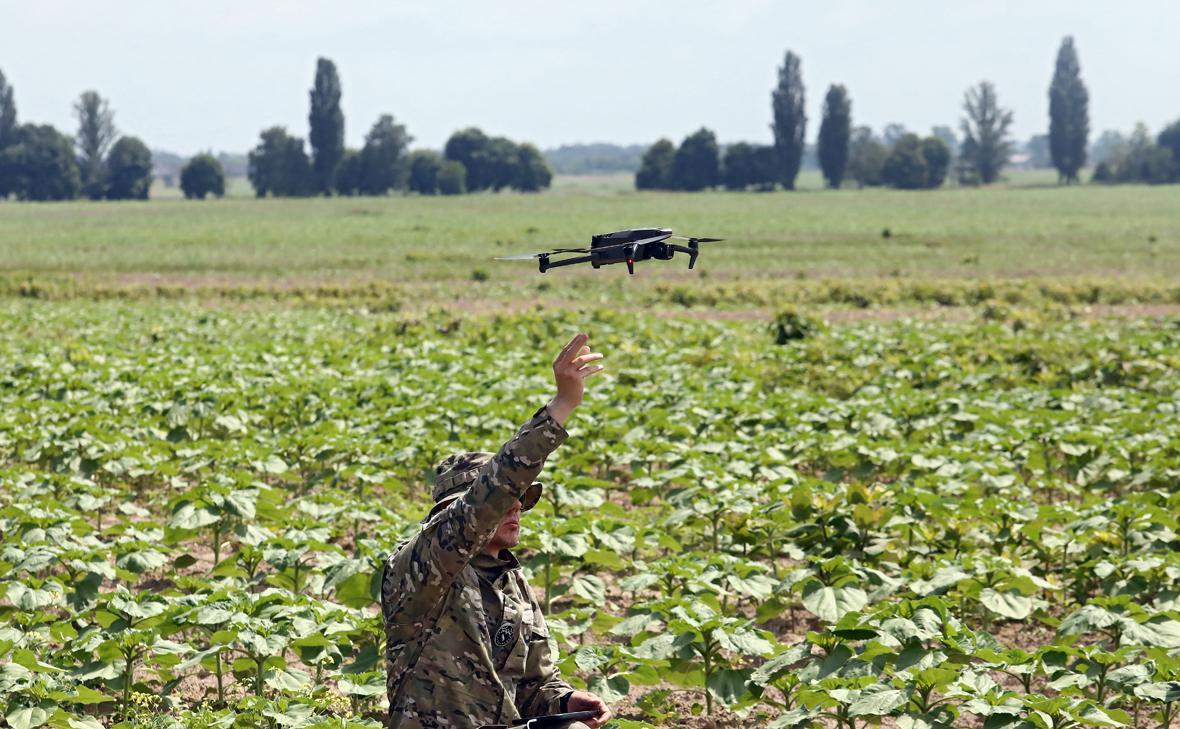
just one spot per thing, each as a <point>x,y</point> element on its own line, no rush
<point>439,653</point>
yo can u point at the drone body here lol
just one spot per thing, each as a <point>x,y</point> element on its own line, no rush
<point>623,246</point>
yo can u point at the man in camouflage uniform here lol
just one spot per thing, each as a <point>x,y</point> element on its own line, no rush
<point>466,643</point>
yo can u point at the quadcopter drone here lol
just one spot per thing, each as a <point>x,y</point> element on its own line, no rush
<point>624,246</point>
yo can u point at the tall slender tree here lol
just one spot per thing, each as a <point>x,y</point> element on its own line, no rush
<point>327,125</point>
<point>986,145</point>
<point>790,119</point>
<point>835,131</point>
<point>8,127</point>
<point>1069,115</point>
<point>96,134</point>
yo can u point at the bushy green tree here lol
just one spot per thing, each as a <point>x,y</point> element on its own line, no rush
<point>96,134</point>
<point>835,132</point>
<point>41,165</point>
<point>905,167</point>
<point>532,171</point>
<point>452,178</point>
<point>866,158</point>
<point>1169,139</point>
<point>986,145</point>
<point>790,119</point>
<point>498,162</point>
<point>326,122</point>
<point>384,161</point>
<point>202,176</point>
<point>765,167</point>
<point>350,175</point>
<point>8,126</point>
<point>1144,161</point>
<point>1069,115</point>
<point>468,147</point>
<point>424,168</point>
<point>738,166</point>
<point>655,169</point>
<point>697,164</point>
<point>279,166</point>
<point>129,170</point>
<point>938,160</point>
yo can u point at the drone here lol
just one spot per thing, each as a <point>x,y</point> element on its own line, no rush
<point>623,246</point>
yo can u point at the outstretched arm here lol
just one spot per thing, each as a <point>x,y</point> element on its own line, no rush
<point>419,574</point>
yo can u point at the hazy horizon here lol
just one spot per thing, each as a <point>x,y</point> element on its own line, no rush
<point>212,77</point>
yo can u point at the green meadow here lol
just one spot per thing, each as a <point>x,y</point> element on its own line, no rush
<point>1124,235</point>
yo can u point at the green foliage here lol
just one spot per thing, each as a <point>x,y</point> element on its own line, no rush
<point>828,532</point>
<point>202,176</point>
<point>791,323</point>
<point>938,160</point>
<point>96,134</point>
<point>467,147</point>
<point>1169,138</point>
<point>9,130</point>
<point>279,166</point>
<point>1069,114</point>
<point>986,144</point>
<point>496,162</point>
<point>835,134</point>
<point>790,119</point>
<point>697,163</point>
<point>383,162</point>
<point>326,122</point>
<point>1140,160</point>
<point>906,167</point>
<point>424,168</point>
<point>866,158</point>
<point>129,170</point>
<point>532,171</point>
<point>40,166</point>
<point>655,169</point>
<point>452,178</point>
<point>350,175</point>
<point>916,163</point>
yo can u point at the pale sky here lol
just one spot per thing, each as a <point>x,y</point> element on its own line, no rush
<point>212,74</point>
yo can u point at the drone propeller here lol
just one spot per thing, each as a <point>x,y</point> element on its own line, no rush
<point>699,240</point>
<point>522,256</point>
<point>548,253</point>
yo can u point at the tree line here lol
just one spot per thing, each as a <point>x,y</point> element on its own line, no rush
<point>471,160</point>
<point>37,162</point>
<point>901,159</point>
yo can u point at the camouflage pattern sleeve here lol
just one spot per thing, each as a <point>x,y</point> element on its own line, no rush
<point>419,574</point>
<point>542,688</point>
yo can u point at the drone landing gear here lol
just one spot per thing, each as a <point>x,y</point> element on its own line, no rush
<point>691,250</point>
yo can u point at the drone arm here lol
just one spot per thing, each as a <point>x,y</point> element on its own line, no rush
<point>567,262</point>
<point>692,252</point>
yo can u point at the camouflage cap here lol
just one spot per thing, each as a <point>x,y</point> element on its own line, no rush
<point>454,474</point>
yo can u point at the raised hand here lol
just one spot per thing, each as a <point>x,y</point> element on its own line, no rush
<point>570,370</point>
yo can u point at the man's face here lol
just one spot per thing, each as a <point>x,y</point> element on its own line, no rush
<point>508,533</point>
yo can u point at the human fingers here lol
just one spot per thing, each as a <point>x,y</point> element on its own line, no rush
<point>590,371</point>
<point>574,344</point>
<point>590,357</point>
<point>604,713</point>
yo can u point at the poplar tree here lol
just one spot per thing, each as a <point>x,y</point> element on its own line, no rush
<point>1069,115</point>
<point>327,125</point>
<point>8,128</point>
<point>790,120</point>
<point>835,131</point>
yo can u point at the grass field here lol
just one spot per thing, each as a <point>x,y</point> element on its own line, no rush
<point>1109,234</point>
